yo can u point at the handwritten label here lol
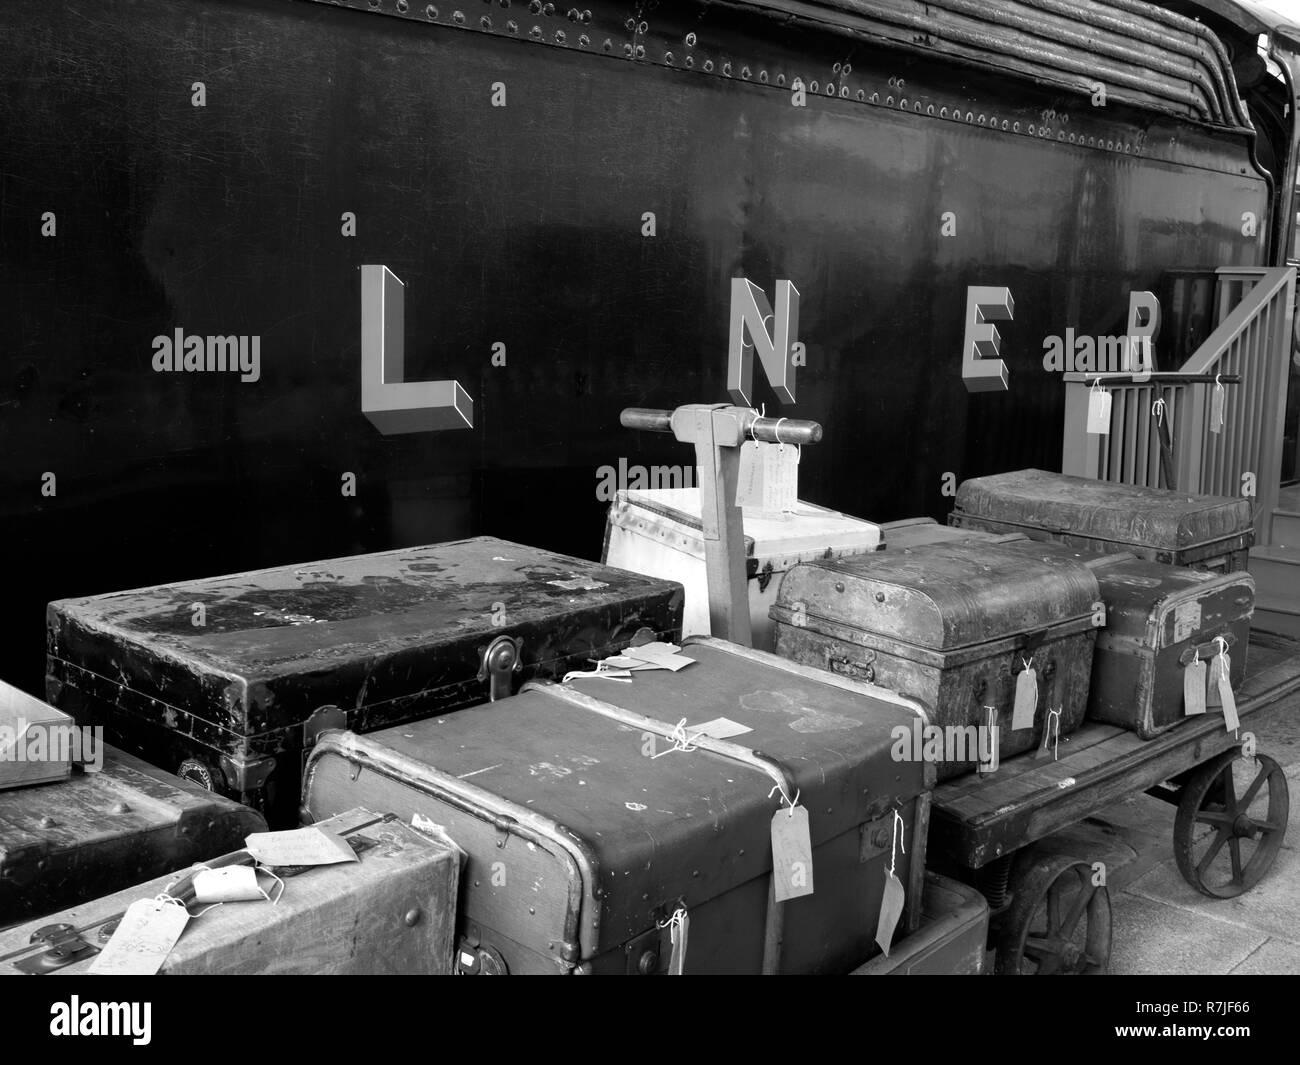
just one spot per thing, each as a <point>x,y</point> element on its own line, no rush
<point>299,846</point>
<point>142,940</point>
<point>792,865</point>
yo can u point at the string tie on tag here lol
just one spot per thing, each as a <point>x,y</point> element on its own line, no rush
<point>1158,409</point>
<point>896,843</point>
<point>786,798</point>
<point>681,741</point>
<point>1054,724</point>
<point>1222,645</point>
<point>673,920</point>
<point>777,433</point>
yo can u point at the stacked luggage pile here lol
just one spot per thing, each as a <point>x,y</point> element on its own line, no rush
<point>648,799</point>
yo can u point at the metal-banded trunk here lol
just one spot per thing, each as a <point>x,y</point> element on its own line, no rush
<point>660,533</point>
<point>951,625</point>
<point>1159,619</point>
<point>1208,532</point>
<point>587,826</point>
<point>224,679</point>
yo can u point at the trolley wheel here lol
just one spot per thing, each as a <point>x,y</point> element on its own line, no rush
<point>1230,801</point>
<point>1058,923</point>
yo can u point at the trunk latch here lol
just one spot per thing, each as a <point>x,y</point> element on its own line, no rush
<point>63,946</point>
<point>500,661</point>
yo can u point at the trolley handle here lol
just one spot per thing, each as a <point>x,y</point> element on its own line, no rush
<point>769,430</point>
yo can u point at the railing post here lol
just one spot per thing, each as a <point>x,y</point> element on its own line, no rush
<point>1080,449</point>
<point>1278,356</point>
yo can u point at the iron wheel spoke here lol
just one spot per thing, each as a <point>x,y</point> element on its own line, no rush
<point>1220,838</point>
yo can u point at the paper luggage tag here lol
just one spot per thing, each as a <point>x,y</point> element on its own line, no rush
<point>1051,735</point>
<point>143,938</point>
<point>1194,688</point>
<point>1216,408</point>
<point>660,656</point>
<point>780,478</point>
<point>720,728</point>
<point>1022,712</point>
<point>1220,665</point>
<point>1221,686</point>
<point>299,846</point>
<point>749,481</point>
<point>231,883</point>
<point>894,897</point>
<point>1099,412</point>
<point>792,866</point>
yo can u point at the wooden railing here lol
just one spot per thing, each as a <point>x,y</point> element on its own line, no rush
<point>1251,348</point>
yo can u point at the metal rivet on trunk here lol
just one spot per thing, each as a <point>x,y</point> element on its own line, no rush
<point>880,597</point>
<point>119,808</point>
<point>413,916</point>
<point>839,586</point>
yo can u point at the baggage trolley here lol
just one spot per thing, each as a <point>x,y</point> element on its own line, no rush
<point>1051,913</point>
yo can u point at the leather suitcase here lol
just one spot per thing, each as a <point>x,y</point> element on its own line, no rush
<point>950,625</point>
<point>1207,532</point>
<point>96,832</point>
<point>659,532</point>
<point>587,827</point>
<point>362,642</point>
<point>1158,618</point>
<point>391,912</point>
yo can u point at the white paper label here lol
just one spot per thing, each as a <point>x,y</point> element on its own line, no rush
<point>142,940</point>
<point>891,909</point>
<point>1099,412</point>
<point>792,865</point>
<point>720,728</point>
<point>1194,688</point>
<point>1022,712</point>
<point>299,846</point>
<point>1187,620</point>
<point>231,883</point>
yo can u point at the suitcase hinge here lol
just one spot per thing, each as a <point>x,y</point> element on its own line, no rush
<point>500,660</point>
<point>64,945</point>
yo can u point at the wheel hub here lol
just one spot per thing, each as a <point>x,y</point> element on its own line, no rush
<point>1069,955</point>
<point>1243,827</point>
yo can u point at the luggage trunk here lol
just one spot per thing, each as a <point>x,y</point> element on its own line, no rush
<point>98,832</point>
<point>1158,618</point>
<point>1207,532</point>
<point>587,827</point>
<point>950,625</point>
<point>659,532</point>
<point>221,680</point>
<point>392,912</point>
<point>38,744</point>
<point>910,533</point>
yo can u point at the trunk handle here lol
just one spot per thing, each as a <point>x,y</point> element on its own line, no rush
<point>1206,651</point>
